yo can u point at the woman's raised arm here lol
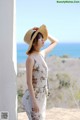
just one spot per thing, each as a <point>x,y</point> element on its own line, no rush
<point>54,41</point>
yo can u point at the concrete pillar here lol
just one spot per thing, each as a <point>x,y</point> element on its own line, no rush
<point>8,90</point>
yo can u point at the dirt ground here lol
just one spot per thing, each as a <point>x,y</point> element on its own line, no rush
<point>56,114</point>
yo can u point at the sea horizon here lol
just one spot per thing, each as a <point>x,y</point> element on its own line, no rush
<point>61,49</point>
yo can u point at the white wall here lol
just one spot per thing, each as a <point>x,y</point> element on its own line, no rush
<point>8,59</point>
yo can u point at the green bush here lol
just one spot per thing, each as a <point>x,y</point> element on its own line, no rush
<point>77,95</point>
<point>65,56</point>
<point>20,92</point>
<point>64,80</point>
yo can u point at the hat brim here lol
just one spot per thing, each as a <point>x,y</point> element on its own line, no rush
<point>43,31</point>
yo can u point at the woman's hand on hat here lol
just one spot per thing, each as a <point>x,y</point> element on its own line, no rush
<point>35,28</point>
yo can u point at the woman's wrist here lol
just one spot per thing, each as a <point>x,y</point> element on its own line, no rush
<point>33,101</point>
<point>33,98</point>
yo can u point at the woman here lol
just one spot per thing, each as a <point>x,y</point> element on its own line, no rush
<point>34,98</point>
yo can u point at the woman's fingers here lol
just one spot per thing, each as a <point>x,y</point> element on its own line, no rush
<point>35,28</point>
<point>35,109</point>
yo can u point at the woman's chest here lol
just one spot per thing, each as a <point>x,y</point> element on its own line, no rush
<point>40,65</point>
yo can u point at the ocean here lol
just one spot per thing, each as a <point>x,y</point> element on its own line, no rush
<point>61,49</point>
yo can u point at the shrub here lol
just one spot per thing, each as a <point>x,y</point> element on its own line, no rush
<point>64,80</point>
<point>65,56</point>
<point>20,92</point>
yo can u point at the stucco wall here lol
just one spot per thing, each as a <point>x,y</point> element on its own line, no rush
<point>8,101</point>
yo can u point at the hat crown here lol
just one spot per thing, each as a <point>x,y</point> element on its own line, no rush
<point>27,37</point>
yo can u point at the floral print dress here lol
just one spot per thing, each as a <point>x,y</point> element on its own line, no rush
<point>39,81</point>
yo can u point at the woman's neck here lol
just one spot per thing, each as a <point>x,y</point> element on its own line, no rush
<point>37,52</point>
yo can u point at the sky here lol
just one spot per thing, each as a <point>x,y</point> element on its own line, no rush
<point>61,19</point>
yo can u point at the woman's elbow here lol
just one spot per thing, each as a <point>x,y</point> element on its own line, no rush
<point>56,41</point>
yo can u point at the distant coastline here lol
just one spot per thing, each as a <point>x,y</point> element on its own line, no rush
<point>62,49</point>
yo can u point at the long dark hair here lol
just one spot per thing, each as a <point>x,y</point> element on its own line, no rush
<point>35,41</point>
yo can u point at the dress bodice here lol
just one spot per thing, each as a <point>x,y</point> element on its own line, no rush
<point>40,71</point>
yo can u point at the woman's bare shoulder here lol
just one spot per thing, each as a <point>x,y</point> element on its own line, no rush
<point>29,60</point>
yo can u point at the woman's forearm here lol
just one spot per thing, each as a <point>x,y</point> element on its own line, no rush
<point>52,39</point>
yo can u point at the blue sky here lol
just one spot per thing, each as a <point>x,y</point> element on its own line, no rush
<point>62,20</point>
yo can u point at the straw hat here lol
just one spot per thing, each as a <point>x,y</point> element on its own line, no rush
<point>27,38</point>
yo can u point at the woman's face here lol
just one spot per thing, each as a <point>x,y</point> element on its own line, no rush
<point>40,41</point>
